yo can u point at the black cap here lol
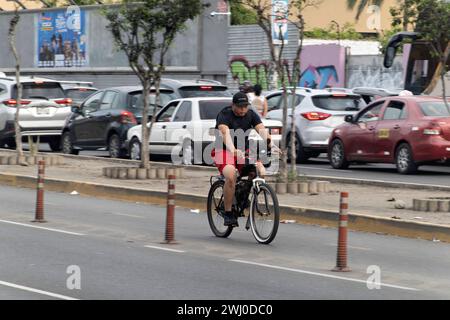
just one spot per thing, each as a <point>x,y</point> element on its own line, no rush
<point>240,99</point>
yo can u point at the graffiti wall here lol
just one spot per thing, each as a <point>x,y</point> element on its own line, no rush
<point>367,71</point>
<point>321,66</point>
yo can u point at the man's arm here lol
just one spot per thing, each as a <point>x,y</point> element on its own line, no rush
<point>226,136</point>
<point>263,132</point>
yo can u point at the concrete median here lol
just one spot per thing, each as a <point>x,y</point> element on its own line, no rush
<point>304,215</point>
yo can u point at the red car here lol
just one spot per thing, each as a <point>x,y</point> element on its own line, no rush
<point>406,130</point>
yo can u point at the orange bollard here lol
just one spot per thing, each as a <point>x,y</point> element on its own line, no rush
<point>39,215</point>
<point>341,263</point>
<point>170,223</point>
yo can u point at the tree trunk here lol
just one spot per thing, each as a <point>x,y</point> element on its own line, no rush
<point>12,41</point>
<point>145,163</point>
<point>440,71</point>
<point>284,156</point>
<point>444,70</point>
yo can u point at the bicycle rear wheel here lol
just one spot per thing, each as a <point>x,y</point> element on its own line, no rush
<point>264,214</point>
<point>216,209</point>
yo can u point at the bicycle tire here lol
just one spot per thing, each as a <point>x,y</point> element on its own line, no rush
<point>212,209</point>
<point>276,215</point>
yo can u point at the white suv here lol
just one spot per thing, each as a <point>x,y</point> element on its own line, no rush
<point>185,128</point>
<point>317,113</point>
<point>44,110</point>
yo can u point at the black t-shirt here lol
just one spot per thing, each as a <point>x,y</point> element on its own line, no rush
<point>240,127</point>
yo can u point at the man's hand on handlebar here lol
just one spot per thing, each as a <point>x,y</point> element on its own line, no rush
<point>274,148</point>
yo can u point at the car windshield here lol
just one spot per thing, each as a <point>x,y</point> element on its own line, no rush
<point>210,109</point>
<point>434,109</point>
<point>40,90</point>
<point>339,102</point>
<point>79,94</point>
<point>137,100</point>
<point>204,91</point>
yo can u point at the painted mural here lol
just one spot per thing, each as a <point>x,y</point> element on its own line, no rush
<point>322,66</point>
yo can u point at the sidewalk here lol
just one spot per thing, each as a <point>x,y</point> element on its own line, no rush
<point>364,200</point>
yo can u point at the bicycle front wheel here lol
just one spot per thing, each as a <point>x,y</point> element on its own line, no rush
<point>264,214</point>
<point>216,210</point>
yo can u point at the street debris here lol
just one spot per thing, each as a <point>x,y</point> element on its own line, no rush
<point>400,204</point>
<point>391,199</point>
<point>395,217</point>
<point>74,193</point>
<point>418,218</point>
<point>436,240</point>
<point>195,210</point>
<point>288,221</point>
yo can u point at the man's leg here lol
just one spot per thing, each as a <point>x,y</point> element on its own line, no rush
<point>229,172</point>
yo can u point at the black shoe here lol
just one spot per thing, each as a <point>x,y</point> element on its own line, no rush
<point>230,220</point>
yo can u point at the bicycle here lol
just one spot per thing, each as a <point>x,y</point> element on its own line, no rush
<point>248,185</point>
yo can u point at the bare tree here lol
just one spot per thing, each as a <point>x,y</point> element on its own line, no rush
<point>297,20</point>
<point>263,11</point>
<point>144,31</point>
<point>12,42</point>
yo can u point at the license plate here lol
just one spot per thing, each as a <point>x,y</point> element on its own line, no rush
<point>43,111</point>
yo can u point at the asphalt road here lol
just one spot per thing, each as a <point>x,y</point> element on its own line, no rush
<point>435,174</point>
<point>117,249</point>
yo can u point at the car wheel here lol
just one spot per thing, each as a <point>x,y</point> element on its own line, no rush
<point>404,159</point>
<point>302,156</point>
<point>55,144</point>
<point>67,145</point>
<point>187,153</point>
<point>135,149</point>
<point>114,147</point>
<point>10,143</point>
<point>337,155</point>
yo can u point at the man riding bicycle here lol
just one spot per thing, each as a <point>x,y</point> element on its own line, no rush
<point>233,125</point>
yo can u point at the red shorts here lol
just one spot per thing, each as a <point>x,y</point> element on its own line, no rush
<point>223,158</point>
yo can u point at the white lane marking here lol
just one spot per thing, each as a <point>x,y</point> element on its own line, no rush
<point>50,294</point>
<point>320,274</point>
<point>322,169</point>
<point>36,227</point>
<point>165,249</point>
<point>127,215</point>
<point>350,247</point>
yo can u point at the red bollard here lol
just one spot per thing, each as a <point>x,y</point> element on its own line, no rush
<point>170,223</point>
<point>341,263</point>
<point>39,216</point>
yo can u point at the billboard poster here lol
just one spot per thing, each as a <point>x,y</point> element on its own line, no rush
<point>62,40</point>
<point>280,14</point>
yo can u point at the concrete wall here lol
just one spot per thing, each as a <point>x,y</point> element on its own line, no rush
<point>324,63</point>
<point>368,71</point>
<point>200,51</point>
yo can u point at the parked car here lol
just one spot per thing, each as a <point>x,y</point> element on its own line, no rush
<point>185,125</point>
<point>103,119</point>
<point>406,130</point>
<point>66,84</point>
<point>196,88</point>
<point>79,94</point>
<point>370,94</point>
<point>317,113</point>
<point>44,110</point>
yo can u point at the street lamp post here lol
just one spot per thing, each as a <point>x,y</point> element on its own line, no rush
<point>338,30</point>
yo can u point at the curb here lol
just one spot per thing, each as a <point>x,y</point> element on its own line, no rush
<point>375,183</point>
<point>312,216</point>
<point>382,183</point>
